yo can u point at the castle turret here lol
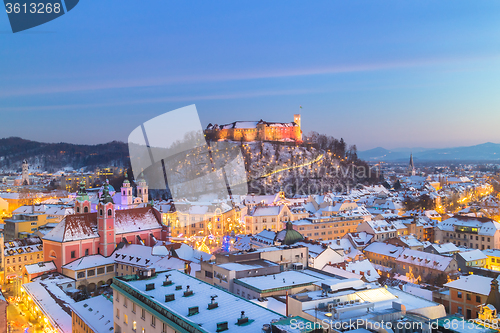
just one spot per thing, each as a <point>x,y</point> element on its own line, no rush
<point>106,222</point>
<point>127,198</point>
<point>82,202</point>
<point>142,189</point>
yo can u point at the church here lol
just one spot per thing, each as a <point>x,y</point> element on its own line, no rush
<point>91,232</point>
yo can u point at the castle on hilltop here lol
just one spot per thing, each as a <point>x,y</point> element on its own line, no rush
<point>256,131</point>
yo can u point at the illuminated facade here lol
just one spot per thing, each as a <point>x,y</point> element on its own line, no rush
<point>257,131</point>
<point>17,254</point>
<point>203,221</point>
<point>326,228</point>
<point>473,232</point>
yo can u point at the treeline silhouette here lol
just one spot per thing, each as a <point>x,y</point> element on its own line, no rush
<point>54,156</point>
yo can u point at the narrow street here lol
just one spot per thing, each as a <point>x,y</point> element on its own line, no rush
<point>18,318</point>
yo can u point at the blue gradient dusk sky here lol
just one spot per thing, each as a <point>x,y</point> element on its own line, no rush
<point>377,73</point>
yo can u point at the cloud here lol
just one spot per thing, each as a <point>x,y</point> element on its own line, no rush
<point>226,77</point>
<point>162,100</point>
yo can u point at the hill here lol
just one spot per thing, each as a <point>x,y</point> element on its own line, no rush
<point>483,152</point>
<point>55,156</point>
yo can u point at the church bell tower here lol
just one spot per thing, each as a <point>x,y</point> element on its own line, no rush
<point>126,189</point>
<point>142,189</point>
<point>82,202</point>
<point>106,222</point>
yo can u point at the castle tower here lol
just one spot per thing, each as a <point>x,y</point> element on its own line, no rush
<point>296,120</point>
<point>82,202</point>
<point>411,167</point>
<point>142,189</point>
<point>106,222</point>
<point>127,198</point>
<point>25,174</point>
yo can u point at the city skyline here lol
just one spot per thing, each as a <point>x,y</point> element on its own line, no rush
<point>390,75</point>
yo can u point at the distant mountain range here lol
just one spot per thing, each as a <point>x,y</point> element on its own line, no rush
<point>484,152</point>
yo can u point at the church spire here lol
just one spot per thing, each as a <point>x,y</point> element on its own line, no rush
<point>106,197</point>
<point>411,167</point>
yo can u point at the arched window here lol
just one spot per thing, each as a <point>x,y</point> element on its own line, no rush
<point>52,254</point>
<point>140,191</point>
<point>100,212</point>
<point>78,209</point>
<point>109,212</point>
<point>85,209</point>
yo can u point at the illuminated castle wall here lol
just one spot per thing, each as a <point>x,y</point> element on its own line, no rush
<point>256,131</point>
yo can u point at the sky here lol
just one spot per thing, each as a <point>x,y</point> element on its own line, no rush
<point>376,73</point>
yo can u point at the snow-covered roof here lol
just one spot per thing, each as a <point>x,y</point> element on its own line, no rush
<point>313,249</point>
<point>341,272</point>
<point>445,248</point>
<point>365,268</point>
<point>473,283</point>
<point>266,211</point>
<point>385,249</point>
<point>229,305</point>
<point>492,252</point>
<point>97,313</point>
<point>84,226</point>
<point>235,266</point>
<point>40,267</point>
<point>89,262</point>
<point>22,246</point>
<point>131,220</point>
<point>257,199</point>
<point>472,255</point>
<point>175,263</point>
<point>411,241</point>
<point>485,226</point>
<point>424,259</point>
<point>52,300</point>
<point>135,255</point>
<point>360,238</point>
<point>186,252</point>
<point>381,226</point>
<point>286,279</point>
